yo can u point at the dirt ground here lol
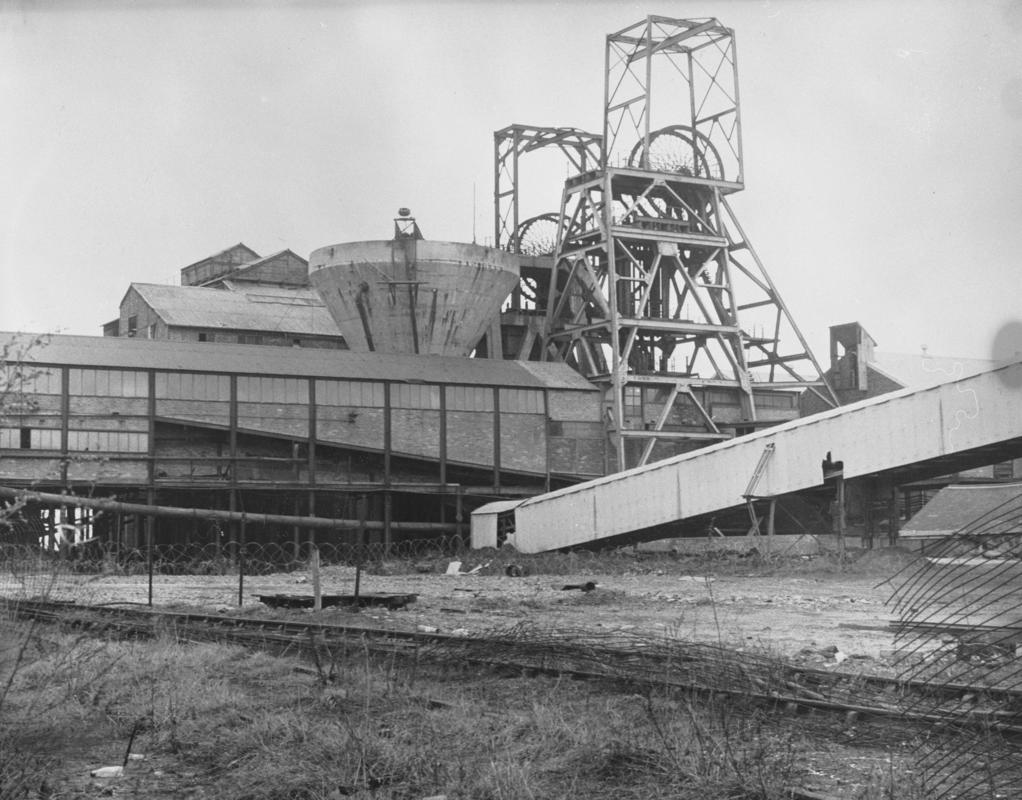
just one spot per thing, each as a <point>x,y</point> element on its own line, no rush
<point>817,611</point>
<point>808,610</point>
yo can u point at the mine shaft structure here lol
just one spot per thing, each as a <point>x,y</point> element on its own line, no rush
<point>655,292</point>
<point>533,236</point>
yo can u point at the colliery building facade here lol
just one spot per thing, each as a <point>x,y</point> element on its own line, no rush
<point>301,432</point>
<point>233,297</point>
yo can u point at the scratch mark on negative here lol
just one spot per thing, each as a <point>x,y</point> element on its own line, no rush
<point>955,373</point>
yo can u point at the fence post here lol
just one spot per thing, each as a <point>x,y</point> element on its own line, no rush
<point>241,565</point>
<point>149,553</point>
<point>317,594</point>
<point>360,546</point>
<point>840,511</point>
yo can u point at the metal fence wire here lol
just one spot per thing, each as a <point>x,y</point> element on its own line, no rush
<point>74,572</point>
<point>960,623</point>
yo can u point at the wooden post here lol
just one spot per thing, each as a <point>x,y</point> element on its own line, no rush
<point>241,566</point>
<point>839,522</point>
<point>317,593</point>
<point>868,517</point>
<point>149,554</point>
<point>360,548</point>
<point>387,512</point>
<point>459,517</point>
<point>150,522</point>
<point>892,517</point>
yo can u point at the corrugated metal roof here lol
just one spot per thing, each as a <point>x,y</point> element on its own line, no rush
<point>272,256</point>
<point>225,251</point>
<point>297,311</point>
<point>955,507</point>
<point>109,351</point>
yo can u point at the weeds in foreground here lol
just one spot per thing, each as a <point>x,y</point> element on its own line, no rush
<point>243,725</point>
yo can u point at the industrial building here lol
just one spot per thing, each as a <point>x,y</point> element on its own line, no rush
<point>410,381</point>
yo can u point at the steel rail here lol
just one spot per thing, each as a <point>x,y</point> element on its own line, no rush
<point>305,636</point>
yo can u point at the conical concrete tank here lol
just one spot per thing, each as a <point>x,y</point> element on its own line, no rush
<point>413,295</point>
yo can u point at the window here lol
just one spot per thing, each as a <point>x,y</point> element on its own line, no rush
<point>521,401</point>
<point>203,337</point>
<point>132,325</point>
<point>350,393</point>
<point>412,395</point>
<point>1004,471</point>
<point>150,332</point>
<point>24,379</point>
<point>469,398</point>
<point>108,383</point>
<point>257,389</point>
<point>633,401</point>
<point>192,386</point>
<point>106,441</point>
<point>29,439</point>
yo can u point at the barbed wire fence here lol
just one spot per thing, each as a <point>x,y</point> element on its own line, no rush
<point>34,567</point>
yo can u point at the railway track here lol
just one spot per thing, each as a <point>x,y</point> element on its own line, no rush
<point>622,659</point>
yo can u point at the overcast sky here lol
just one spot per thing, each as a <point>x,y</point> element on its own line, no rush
<point>882,142</point>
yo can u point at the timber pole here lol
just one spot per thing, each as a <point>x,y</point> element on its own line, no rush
<point>104,504</point>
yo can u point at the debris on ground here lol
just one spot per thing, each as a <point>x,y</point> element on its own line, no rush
<point>588,586</point>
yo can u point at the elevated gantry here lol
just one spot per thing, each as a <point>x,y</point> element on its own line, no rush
<point>650,287</point>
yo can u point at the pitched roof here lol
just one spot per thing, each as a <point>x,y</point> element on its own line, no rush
<point>227,251</point>
<point>253,271</point>
<point>116,352</point>
<point>989,508</point>
<point>272,256</point>
<point>258,308</point>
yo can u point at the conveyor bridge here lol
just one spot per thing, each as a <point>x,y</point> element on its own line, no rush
<point>897,437</point>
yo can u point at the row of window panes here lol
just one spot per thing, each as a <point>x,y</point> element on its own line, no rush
<point>412,395</point>
<point>106,441</point>
<point>192,386</point>
<point>521,401</point>
<point>272,390</point>
<point>26,379</point>
<point>469,398</point>
<point>366,394</point>
<point>24,438</point>
<point>49,439</point>
<point>775,400</point>
<point>258,389</point>
<point>108,383</point>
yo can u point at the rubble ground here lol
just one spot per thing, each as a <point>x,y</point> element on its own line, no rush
<point>805,609</point>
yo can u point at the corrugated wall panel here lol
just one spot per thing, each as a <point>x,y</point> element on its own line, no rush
<point>871,436</point>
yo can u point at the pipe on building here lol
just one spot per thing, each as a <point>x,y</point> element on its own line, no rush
<point>106,504</point>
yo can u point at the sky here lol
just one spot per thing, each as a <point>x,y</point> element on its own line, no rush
<point>882,144</point>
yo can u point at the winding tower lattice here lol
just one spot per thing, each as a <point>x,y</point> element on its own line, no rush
<point>655,291</point>
<point>529,230</point>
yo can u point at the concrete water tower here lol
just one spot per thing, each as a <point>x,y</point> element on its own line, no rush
<point>411,295</point>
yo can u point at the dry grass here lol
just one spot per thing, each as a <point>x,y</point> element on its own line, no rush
<point>224,722</point>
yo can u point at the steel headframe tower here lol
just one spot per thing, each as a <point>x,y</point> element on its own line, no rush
<point>656,292</point>
<point>531,233</point>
